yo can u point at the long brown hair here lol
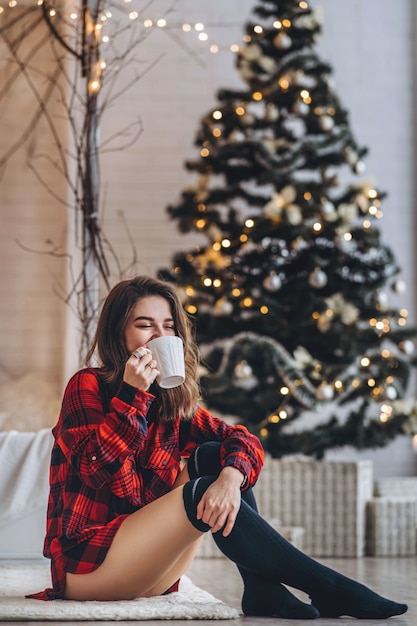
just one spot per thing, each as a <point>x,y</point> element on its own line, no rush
<point>109,344</point>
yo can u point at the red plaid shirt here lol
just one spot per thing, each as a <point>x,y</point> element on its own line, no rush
<point>108,461</point>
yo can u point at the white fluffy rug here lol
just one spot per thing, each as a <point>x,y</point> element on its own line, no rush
<point>190,602</point>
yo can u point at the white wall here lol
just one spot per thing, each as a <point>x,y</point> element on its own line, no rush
<point>370,45</point>
<point>170,101</point>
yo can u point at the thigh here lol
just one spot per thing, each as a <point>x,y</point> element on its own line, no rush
<point>177,570</point>
<point>149,552</point>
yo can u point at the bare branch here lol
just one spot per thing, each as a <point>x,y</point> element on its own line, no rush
<point>127,131</point>
<point>55,33</point>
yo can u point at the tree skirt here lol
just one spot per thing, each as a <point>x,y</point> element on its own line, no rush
<point>190,602</point>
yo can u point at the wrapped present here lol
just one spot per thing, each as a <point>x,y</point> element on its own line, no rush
<point>320,506</point>
<point>326,498</point>
<point>391,526</point>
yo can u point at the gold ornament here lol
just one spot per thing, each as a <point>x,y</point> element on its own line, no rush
<point>347,312</point>
<point>223,307</point>
<point>347,212</point>
<point>251,53</point>
<point>284,201</point>
<point>302,357</point>
<point>294,214</point>
<point>271,112</point>
<point>268,64</point>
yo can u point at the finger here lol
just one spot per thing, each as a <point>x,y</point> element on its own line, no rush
<point>218,523</point>
<point>214,517</point>
<point>139,353</point>
<point>152,371</point>
<point>205,511</point>
<point>229,526</point>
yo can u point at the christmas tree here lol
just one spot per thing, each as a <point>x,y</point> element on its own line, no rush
<point>290,291</point>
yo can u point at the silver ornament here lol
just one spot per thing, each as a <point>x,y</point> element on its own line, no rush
<point>326,122</point>
<point>360,167</point>
<point>244,377</point>
<point>391,393</point>
<point>381,300</point>
<point>324,392</point>
<point>243,370</point>
<point>272,282</point>
<point>317,279</point>
<point>301,108</point>
<point>406,346</point>
<point>283,41</point>
<point>399,286</point>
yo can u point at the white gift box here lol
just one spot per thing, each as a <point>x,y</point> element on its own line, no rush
<point>326,498</point>
<point>391,526</point>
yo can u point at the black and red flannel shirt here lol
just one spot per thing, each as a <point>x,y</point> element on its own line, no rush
<point>107,462</point>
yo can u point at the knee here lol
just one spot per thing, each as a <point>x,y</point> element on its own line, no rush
<point>192,494</point>
<point>205,460</point>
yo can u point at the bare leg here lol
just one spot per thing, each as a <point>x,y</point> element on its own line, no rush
<point>151,550</point>
<point>185,560</point>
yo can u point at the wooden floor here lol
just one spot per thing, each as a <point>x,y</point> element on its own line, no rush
<point>395,578</point>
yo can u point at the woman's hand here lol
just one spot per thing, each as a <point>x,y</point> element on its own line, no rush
<point>140,369</point>
<point>220,503</point>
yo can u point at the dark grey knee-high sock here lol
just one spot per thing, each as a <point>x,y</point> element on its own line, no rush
<point>261,596</point>
<point>255,546</point>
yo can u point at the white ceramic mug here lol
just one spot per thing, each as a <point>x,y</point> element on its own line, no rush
<point>168,352</point>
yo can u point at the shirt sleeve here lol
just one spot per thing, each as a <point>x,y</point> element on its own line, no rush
<point>240,448</point>
<point>96,443</point>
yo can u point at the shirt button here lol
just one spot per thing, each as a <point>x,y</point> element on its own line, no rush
<point>94,458</point>
<point>164,462</point>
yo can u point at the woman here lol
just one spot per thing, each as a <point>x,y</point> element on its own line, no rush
<point>139,474</point>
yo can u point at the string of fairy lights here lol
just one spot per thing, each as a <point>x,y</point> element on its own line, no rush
<point>198,29</point>
<point>101,27</point>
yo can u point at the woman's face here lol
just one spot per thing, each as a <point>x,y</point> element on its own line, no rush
<point>151,317</point>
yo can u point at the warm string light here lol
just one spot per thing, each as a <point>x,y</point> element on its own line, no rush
<point>198,28</point>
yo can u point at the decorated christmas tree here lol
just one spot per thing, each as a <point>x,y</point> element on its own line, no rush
<point>291,289</point>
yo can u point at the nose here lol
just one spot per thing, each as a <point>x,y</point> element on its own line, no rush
<point>159,331</point>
